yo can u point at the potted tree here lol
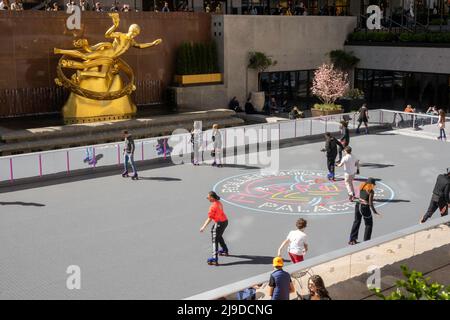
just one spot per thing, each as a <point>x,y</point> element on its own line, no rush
<point>259,62</point>
<point>329,84</point>
<point>197,64</point>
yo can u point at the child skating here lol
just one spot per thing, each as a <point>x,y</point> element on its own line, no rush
<point>217,146</point>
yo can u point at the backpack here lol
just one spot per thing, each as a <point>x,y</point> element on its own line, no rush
<point>246,294</point>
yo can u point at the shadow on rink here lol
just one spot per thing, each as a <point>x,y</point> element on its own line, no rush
<point>250,260</point>
<point>239,166</point>
<point>389,200</point>
<point>160,179</point>
<point>20,203</point>
<point>376,165</point>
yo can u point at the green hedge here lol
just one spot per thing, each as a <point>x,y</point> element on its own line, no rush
<point>430,37</point>
<point>197,58</point>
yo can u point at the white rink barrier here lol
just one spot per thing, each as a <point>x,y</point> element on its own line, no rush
<point>39,164</point>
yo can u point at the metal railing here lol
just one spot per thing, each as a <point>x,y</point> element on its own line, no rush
<point>44,163</point>
<point>354,260</point>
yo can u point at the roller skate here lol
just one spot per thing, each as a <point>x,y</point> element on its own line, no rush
<point>212,262</point>
<point>223,253</point>
<point>135,176</point>
<point>125,174</point>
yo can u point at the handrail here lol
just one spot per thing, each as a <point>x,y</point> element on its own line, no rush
<point>162,137</point>
<point>324,258</point>
<point>413,113</point>
<point>385,19</point>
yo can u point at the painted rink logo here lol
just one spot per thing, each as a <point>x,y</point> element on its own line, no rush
<point>296,192</point>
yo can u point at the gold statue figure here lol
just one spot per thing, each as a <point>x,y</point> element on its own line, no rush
<point>97,90</point>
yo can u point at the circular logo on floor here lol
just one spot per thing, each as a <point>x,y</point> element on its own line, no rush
<point>297,192</point>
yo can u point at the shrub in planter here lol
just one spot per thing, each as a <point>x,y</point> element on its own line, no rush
<point>354,94</point>
<point>357,36</point>
<point>327,107</point>
<point>438,22</point>
<point>343,60</point>
<point>405,37</point>
<point>420,37</point>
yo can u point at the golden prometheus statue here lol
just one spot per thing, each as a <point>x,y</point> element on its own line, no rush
<point>97,90</point>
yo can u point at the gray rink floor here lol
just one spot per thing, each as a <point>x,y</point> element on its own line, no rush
<point>141,239</point>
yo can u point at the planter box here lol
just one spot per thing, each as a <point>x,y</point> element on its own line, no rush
<point>193,79</point>
<point>319,113</point>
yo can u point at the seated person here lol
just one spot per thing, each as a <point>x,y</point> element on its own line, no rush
<point>295,113</point>
<point>432,111</point>
<point>284,106</point>
<point>234,105</point>
<point>273,105</point>
<point>249,108</point>
<point>410,109</point>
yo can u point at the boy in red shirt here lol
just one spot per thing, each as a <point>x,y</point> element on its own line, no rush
<point>217,215</point>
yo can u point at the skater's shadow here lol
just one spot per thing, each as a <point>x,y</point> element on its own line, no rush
<point>389,200</point>
<point>240,166</point>
<point>364,180</point>
<point>386,134</point>
<point>20,203</point>
<point>248,259</point>
<point>159,179</point>
<point>376,165</point>
<point>97,157</point>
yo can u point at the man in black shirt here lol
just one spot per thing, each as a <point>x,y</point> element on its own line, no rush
<point>249,109</point>
<point>331,149</point>
<point>234,105</point>
<point>441,196</point>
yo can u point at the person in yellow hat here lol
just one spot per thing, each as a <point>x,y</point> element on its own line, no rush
<point>280,283</point>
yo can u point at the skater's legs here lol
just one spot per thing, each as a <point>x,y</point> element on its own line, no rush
<point>133,166</point>
<point>217,156</point>
<point>215,242</point>
<point>125,163</point>
<point>331,162</point>
<point>368,221</point>
<point>196,153</point>
<point>348,178</point>
<point>356,224</point>
<point>221,226</point>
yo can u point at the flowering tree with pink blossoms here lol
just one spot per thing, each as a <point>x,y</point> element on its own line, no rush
<point>329,83</point>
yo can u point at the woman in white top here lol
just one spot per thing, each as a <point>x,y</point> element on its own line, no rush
<point>441,125</point>
<point>297,242</point>
<point>217,146</point>
<point>197,141</point>
<point>351,168</point>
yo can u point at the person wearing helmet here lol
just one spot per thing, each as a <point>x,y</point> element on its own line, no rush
<point>220,219</point>
<point>363,209</point>
<point>280,282</point>
<point>441,196</point>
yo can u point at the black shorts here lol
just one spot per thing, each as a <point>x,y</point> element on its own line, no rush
<point>365,120</point>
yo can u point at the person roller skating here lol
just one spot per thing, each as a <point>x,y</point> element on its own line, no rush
<point>128,153</point>
<point>218,216</point>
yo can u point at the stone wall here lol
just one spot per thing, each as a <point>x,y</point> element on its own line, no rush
<point>407,58</point>
<point>295,42</point>
<point>28,38</point>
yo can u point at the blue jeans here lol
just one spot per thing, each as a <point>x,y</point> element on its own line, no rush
<point>129,156</point>
<point>442,133</point>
